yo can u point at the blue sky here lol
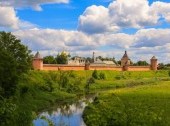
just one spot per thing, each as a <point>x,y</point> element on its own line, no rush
<point>64,16</point>
<point>60,16</point>
<point>108,27</point>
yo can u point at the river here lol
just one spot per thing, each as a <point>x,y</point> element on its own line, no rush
<point>65,115</point>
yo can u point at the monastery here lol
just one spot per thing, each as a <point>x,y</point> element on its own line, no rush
<point>78,63</point>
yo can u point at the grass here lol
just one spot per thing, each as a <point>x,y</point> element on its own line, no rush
<point>142,105</point>
<point>39,90</point>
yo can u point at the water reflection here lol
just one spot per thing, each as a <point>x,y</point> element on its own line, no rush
<point>65,115</point>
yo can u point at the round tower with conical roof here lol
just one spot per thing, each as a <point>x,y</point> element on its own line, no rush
<point>37,62</point>
<point>154,63</point>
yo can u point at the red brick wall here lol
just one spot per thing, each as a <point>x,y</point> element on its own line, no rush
<point>82,67</point>
<point>62,67</point>
<point>106,68</point>
<point>139,68</point>
<point>70,67</point>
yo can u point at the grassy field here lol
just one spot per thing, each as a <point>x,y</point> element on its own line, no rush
<point>39,90</point>
<point>140,105</point>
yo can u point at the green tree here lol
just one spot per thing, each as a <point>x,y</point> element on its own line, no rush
<point>161,66</point>
<point>62,58</point>
<point>114,60</point>
<point>15,59</point>
<point>141,63</point>
<point>89,59</point>
<point>49,60</point>
<point>119,62</point>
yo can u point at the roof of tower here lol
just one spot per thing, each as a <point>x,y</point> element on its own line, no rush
<point>153,57</point>
<point>125,55</point>
<point>37,56</point>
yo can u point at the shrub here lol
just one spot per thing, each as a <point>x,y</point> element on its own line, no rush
<point>118,77</point>
<point>169,73</point>
<point>91,80</point>
<point>95,74</point>
<point>24,89</point>
<point>102,76</point>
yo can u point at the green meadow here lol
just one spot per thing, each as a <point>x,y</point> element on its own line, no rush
<point>123,98</point>
<point>141,99</point>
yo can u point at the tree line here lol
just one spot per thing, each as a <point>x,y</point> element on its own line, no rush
<point>62,58</point>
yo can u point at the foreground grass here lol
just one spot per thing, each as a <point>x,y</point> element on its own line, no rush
<point>39,90</point>
<point>144,105</point>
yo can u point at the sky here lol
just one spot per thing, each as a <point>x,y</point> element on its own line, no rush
<point>81,27</point>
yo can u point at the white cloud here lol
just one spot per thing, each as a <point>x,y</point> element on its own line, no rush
<point>9,21</point>
<point>8,18</point>
<point>123,14</point>
<point>72,40</point>
<point>163,9</point>
<point>152,37</point>
<point>144,43</point>
<point>35,4</point>
<point>95,19</point>
<point>132,13</point>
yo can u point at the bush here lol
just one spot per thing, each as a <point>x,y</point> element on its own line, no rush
<point>118,77</point>
<point>91,80</point>
<point>169,73</point>
<point>102,76</point>
<point>95,74</point>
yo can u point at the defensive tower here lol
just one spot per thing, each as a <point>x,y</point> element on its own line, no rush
<point>38,62</point>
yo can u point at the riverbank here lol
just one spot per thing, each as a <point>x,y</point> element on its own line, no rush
<point>39,90</point>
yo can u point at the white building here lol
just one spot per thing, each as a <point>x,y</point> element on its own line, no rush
<point>77,61</point>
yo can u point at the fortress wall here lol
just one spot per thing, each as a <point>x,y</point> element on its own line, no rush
<point>97,67</point>
<point>50,67</point>
<point>62,67</point>
<point>114,68</point>
<point>139,68</point>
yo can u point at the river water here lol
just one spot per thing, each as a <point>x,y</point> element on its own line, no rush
<point>65,115</point>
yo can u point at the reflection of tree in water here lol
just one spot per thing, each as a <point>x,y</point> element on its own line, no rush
<point>66,114</point>
<point>65,110</point>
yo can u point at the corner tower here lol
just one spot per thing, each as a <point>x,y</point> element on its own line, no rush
<point>154,63</point>
<point>37,62</point>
